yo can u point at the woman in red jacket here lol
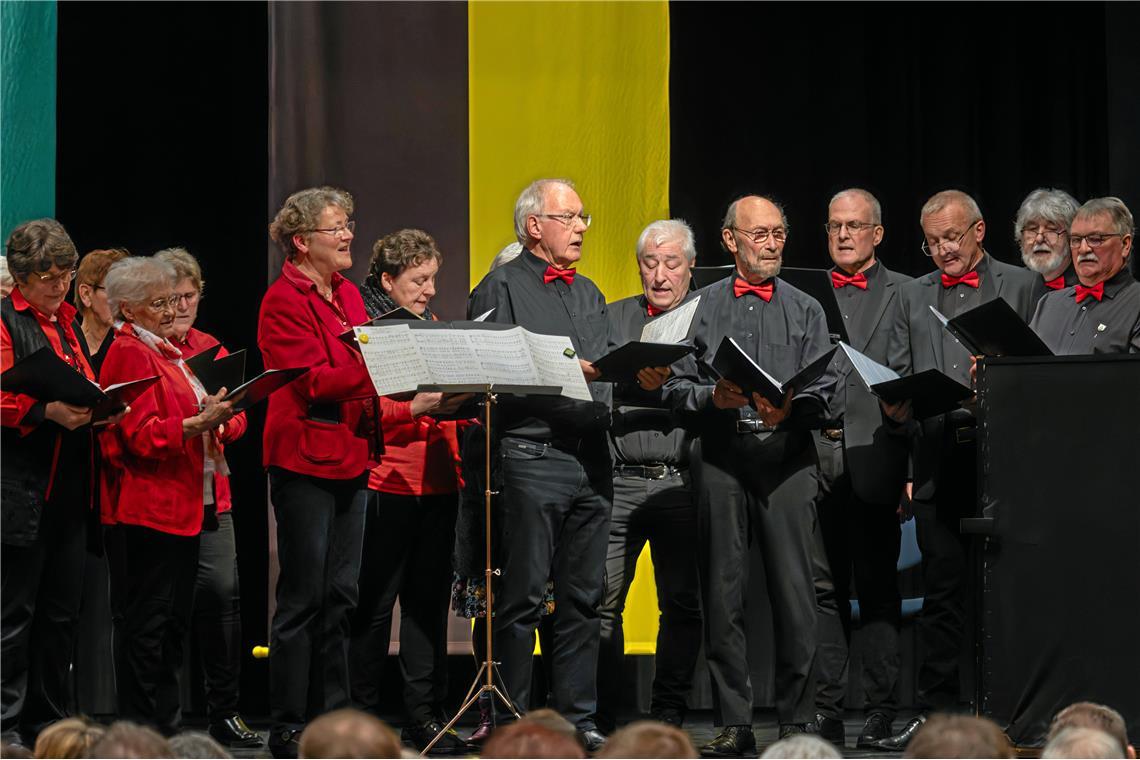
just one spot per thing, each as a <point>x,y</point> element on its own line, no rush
<point>410,531</point>
<point>217,602</point>
<point>321,438</point>
<point>158,467</point>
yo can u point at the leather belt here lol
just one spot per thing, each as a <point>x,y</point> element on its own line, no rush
<point>748,426</point>
<point>832,434</point>
<point>658,471</point>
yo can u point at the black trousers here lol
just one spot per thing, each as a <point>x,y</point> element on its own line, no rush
<point>554,520</point>
<point>152,587</point>
<point>320,529</point>
<point>42,586</point>
<point>947,577</point>
<point>217,618</point>
<point>661,512</point>
<point>855,538</point>
<point>407,548</point>
<point>747,486</point>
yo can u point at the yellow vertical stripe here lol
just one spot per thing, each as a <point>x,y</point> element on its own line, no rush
<point>577,90</point>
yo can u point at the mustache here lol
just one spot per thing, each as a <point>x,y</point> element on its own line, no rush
<point>1087,257</point>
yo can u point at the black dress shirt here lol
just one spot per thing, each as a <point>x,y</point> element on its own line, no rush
<point>1108,326</point>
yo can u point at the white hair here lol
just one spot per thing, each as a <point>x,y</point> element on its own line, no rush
<point>876,207</point>
<point>801,745</point>
<point>1083,742</point>
<point>530,203</point>
<point>1045,205</point>
<point>665,231</point>
<point>509,253</point>
<point>131,280</point>
<point>941,200</point>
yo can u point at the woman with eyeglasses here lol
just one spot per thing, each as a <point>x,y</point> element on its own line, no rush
<point>216,617</point>
<point>94,319</point>
<point>321,439</point>
<point>46,474</point>
<point>159,467</point>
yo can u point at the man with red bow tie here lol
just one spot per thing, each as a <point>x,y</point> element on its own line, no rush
<point>862,464</point>
<point>1042,233</point>
<point>943,458</point>
<point>1100,314</point>
<point>754,469</point>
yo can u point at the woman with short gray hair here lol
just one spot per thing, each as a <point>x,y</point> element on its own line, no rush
<point>158,473</point>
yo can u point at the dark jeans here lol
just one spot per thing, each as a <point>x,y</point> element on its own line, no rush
<point>407,548</point>
<point>745,487</point>
<point>860,539</point>
<point>152,587</point>
<point>660,512</point>
<point>320,528</point>
<point>554,519</point>
<point>217,618</point>
<point>42,586</point>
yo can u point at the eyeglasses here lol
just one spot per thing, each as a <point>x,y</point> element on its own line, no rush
<point>62,277</point>
<point>854,228</point>
<point>189,299</point>
<point>160,305</point>
<point>759,236</point>
<point>1095,240</point>
<point>568,219</point>
<point>945,245</point>
<point>1051,234</point>
<point>338,232</point>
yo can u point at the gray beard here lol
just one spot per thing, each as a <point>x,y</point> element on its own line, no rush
<point>1042,266</point>
<point>765,269</point>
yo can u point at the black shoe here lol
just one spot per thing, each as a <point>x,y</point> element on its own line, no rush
<point>898,742</point>
<point>733,741</point>
<point>233,732</point>
<point>830,729</point>
<point>791,729</point>
<point>877,728</point>
<point>592,739</point>
<point>671,716</point>
<point>449,744</point>
<point>284,742</point>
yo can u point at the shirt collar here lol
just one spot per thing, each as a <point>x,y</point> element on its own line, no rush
<point>301,281</point>
<point>65,314</point>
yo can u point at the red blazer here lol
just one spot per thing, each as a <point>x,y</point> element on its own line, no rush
<point>193,344</point>
<point>421,454</point>
<point>151,476</point>
<point>298,328</point>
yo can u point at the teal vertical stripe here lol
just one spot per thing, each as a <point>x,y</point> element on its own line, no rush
<point>27,112</point>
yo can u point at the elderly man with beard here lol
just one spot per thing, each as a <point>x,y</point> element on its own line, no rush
<point>755,468</point>
<point>1100,314</point>
<point>1041,232</point>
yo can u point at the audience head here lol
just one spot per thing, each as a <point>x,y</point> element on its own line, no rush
<point>188,287</point>
<point>510,252</point>
<point>313,229</point>
<point>195,744</point>
<point>13,751</point>
<point>665,255</point>
<point>1083,743</point>
<point>802,745</point>
<point>41,259</point>
<point>1101,239</point>
<point>854,229</point>
<point>551,719</point>
<point>90,295</point>
<point>140,290</point>
<point>1092,715</point>
<point>6,281</point>
<point>1041,230</point>
<point>349,733</point>
<point>954,229</point>
<point>530,739</point>
<point>755,230</point>
<point>551,222</point>
<point>648,738</point>
<point>959,736</point>
<point>130,740</point>
<point>70,737</point>
<point>404,264</point>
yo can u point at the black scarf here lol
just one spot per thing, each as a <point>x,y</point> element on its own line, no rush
<point>376,299</point>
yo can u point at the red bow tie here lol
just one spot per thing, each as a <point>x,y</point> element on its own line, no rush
<point>970,278</point>
<point>839,280</point>
<point>763,290</point>
<point>652,310</point>
<point>1057,283</point>
<point>554,273</point>
<point>1096,291</point>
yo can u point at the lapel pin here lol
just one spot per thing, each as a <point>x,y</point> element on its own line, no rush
<point>1100,327</point>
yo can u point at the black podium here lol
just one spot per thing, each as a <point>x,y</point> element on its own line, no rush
<point>1059,463</point>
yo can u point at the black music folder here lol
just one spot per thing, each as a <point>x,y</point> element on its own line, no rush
<point>931,392</point>
<point>732,363</point>
<point>198,362</point>
<point>994,329</point>
<point>622,364</point>
<point>817,284</point>
<point>227,372</point>
<point>261,387</point>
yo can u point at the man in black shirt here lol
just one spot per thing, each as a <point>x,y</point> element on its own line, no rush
<point>754,469</point>
<point>1041,232</point>
<point>862,462</point>
<point>653,500</point>
<point>1100,314</point>
<point>944,465</point>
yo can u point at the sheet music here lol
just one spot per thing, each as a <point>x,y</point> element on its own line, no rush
<point>483,317</point>
<point>870,370</point>
<point>449,356</point>
<point>392,358</point>
<point>503,356</point>
<point>555,367</point>
<point>672,327</point>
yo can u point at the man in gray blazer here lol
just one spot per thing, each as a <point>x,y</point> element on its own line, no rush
<point>862,464</point>
<point>944,465</point>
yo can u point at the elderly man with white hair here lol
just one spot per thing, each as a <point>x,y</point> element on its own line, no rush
<point>1042,234</point>
<point>653,501</point>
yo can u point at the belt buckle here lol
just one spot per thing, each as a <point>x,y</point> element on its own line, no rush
<point>655,471</point>
<point>833,434</point>
<point>749,426</point>
<point>965,434</point>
